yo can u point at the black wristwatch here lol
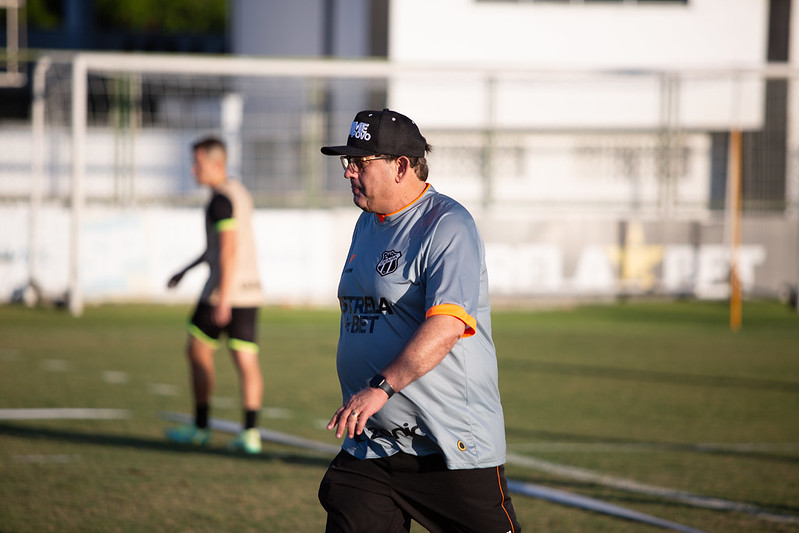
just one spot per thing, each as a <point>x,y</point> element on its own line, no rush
<point>379,382</point>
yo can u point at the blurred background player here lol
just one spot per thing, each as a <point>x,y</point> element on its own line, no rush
<point>228,303</point>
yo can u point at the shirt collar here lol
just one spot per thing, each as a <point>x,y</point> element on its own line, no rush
<point>382,218</point>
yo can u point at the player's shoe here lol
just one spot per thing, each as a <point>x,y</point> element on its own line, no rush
<point>248,441</point>
<point>189,434</point>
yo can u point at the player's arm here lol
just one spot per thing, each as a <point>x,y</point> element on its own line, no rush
<point>174,280</point>
<point>429,345</point>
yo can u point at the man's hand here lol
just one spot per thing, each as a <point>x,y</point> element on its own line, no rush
<point>174,280</point>
<point>222,314</point>
<point>353,415</point>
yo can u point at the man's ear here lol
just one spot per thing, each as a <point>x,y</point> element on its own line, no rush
<point>403,163</point>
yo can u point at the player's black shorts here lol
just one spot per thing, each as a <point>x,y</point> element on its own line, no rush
<point>385,494</point>
<point>241,330</point>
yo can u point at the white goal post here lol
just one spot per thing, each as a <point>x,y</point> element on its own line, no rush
<point>630,148</point>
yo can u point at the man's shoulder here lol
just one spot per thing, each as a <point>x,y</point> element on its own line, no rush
<point>233,184</point>
<point>442,206</point>
<point>235,190</point>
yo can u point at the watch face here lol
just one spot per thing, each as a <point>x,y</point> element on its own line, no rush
<point>379,382</point>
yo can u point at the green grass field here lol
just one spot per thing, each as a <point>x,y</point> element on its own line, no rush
<point>660,394</point>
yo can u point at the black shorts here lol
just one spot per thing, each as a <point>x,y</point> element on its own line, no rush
<point>241,330</point>
<point>385,494</point>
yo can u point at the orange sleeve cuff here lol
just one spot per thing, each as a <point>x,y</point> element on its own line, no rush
<point>459,313</point>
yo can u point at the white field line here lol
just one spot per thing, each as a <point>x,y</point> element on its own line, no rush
<point>651,490</point>
<point>115,376</point>
<point>64,414</point>
<point>46,459</point>
<point>276,413</point>
<point>591,504</point>
<point>163,389</point>
<point>55,365</point>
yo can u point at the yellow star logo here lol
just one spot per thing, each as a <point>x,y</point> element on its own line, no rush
<point>636,259</point>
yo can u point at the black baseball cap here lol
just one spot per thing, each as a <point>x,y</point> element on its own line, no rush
<point>381,132</point>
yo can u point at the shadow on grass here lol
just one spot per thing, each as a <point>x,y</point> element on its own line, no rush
<point>157,445</point>
<point>674,378</point>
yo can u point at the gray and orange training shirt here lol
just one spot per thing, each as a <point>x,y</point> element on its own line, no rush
<point>425,259</point>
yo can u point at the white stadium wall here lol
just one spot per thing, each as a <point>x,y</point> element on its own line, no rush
<point>129,255</point>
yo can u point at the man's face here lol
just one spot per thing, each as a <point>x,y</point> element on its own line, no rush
<point>201,167</point>
<point>208,167</point>
<point>371,182</point>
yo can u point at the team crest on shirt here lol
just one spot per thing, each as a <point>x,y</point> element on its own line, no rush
<point>388,262</point>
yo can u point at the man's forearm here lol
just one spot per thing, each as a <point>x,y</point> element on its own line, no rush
<point>429,345</point>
